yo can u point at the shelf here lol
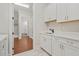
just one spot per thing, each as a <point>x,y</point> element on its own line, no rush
<point>61,21</point>
<point>51,20</point>
<point>64,21</point>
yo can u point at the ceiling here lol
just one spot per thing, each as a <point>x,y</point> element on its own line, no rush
<point>16,7</point>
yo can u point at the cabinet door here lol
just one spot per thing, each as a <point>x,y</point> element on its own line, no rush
<point>42,41</point>
<point>59,50</point>
<point>46,43</point>
<point>49,44</point>
<point>53,45</point>
<point>73,11</point>
<point>59,47</point>
<point>50,11</point>
<point>61,11</point>
<point>70,50</point>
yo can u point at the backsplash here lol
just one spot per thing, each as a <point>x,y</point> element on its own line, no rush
<point>64,27</point>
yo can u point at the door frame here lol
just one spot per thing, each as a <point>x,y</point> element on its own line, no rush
<point>10,36</point>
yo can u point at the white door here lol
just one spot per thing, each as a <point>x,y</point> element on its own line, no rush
<point>73,11</point>
<point>13,32</point>
<point>61,11</point>
<point>12,36</point>
<point>11,28</point>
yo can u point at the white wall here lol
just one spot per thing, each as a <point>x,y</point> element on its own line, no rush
<point>5,23</point>
<point>4,20</point>
<point>67,27</point>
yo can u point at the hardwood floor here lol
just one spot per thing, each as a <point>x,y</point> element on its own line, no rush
<point>21,45</point>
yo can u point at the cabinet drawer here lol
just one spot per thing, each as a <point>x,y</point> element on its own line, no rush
<point>68,41</point>
<point>70,50</point>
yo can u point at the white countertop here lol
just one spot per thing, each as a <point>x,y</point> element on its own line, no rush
<point>47,33</point>
<point>70,35</point>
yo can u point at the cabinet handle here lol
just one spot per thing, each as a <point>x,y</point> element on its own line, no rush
<point>66,17</point>
<point>61,46</point>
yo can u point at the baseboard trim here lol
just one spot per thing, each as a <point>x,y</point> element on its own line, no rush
<point>46,51</point>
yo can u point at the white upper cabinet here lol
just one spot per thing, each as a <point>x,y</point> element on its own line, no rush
<point>67,12</point>
<point>73,12</point>
<point>50,12</point>
<point>61,11</point>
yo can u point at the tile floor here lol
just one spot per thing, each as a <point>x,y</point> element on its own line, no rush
<point>35,52</point>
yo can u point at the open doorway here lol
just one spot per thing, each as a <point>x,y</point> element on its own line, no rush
<point>23,29</point>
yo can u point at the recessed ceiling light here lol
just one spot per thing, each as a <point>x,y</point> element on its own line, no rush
<point>27,6</point>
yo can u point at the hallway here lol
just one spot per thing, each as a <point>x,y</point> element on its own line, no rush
<point>22,45</point>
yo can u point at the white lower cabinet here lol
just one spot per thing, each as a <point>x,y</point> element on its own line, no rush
<point>58,49</point>
<point>59,46</point>
<point>70,51</point>
<point>54,46</point>
<point>66,47</point>
<point>46,43</point>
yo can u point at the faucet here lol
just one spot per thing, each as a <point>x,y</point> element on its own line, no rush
<point>52,30</point>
